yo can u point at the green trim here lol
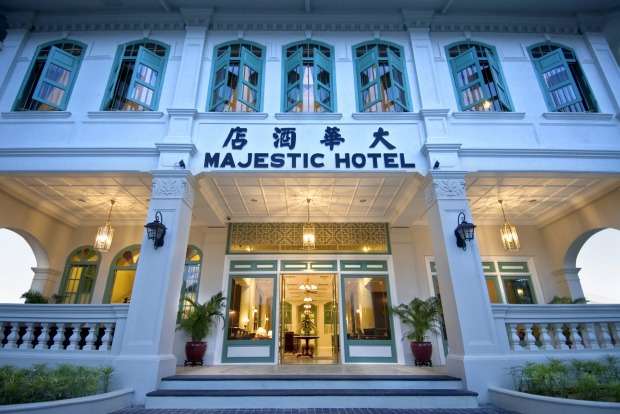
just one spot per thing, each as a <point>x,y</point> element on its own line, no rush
<point>81,263</point>
<point>246,58</point>
<point>488,267</point>
<point>362,342</point>
<point>470,58</point>
<point>372,59</point>
<point>496,285</point>
<point>364,266</point>
<point>433,267</point>
<point>146,58</point>
<point>63,59</point>
<point>513,267</point>
<point>107,296</point>
<point>271,343</point>
<point>253,265</point>
<point>308,266</point>
<point>183,305</point>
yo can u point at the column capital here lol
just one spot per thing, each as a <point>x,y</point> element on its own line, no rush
<point>445,185</point>
<point>174,184</point>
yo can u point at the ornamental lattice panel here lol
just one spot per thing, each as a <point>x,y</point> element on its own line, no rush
<point>287,237</point>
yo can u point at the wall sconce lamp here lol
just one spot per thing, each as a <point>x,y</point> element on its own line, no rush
<point>464,231</point>
<point>156,231</point>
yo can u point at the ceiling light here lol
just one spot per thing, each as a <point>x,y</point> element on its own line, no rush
<point>307,286</point>
<point>308,229</point>
<point>103,241</point>
<point>509,233</point>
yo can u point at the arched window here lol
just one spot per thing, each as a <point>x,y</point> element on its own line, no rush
<point>478,78</point>
<point>122,276</point>
<point>51,77</point>
<point>237,78</point>
<point>381,78</point>
<point>191,279</point>
<point>137,77</point>
<point>560,76</point>
<point>78,280</point>
<point>308,74</point>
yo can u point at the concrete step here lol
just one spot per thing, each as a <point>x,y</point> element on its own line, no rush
<point>310,391</point>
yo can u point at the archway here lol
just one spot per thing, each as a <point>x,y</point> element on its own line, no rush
<point>17,259</point>
<point>600,266</point>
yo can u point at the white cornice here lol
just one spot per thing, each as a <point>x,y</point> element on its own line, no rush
<point>578,116</point>
<point>125,114</point>
<point>38,115</point>
<point>228,116</point>
<point>79,152</point>
<point>308,116</point>
<point>488,115</point>
<point>539,153</point>
<point>386,116</point>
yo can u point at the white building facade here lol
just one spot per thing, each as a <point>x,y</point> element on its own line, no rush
<point>383,127</point>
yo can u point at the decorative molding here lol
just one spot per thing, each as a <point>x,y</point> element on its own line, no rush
<point>176,147</point>
<point>197,17</point>
<point>434,113</point>
<point>444,188</point>
<point>182,112</point>
<point>173,187</point>
<point>233,116</point>
<point>444,148</point>
<point>578,116</point>
<point>125,114</point>
<point>386,116</point>
<point>539,153</point>
<point>30,115</point>
<point>79,152</point>
<point>308,116</point>
<point>488,115</point>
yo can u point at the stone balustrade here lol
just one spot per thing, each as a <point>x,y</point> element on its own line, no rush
<point>558,327</point>
<point>61,328</point>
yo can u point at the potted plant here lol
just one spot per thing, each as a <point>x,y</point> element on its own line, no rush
<point>422,317</point>
<point>197,322</point>
<point>306,325</point>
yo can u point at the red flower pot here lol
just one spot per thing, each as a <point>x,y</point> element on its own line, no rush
<point>422,352</point>
<point>194,352</point>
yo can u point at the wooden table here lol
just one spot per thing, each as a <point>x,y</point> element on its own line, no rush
<point>306,347</point>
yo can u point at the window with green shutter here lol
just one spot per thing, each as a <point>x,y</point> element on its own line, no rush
<point>478,78</point>
<point>237,81</point>
<point>137,77</point>
<point>308,77</point>
<point>381,78</point>
<point>561,78</point>
<point>51,77</point>
<point>78,281</point>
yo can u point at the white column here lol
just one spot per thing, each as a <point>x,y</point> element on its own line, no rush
<point>45,280</point>
<point>472,334</point>
<point>15,41</point>
<point>606,64</point>
<point>146,353</point>
<point>568,282</point>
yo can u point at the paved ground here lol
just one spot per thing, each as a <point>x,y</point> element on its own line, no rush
<point>485,410</point>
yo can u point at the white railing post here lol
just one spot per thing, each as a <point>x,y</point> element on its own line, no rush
<point>89,344</point>
<point>545,339</point>
<point>587,333</point>
<point>613,331</point>
<point>604,338</point>
<point>74,338</point>
<point>27,337</point>
<point>530,339</point>
<point>59,338</point>
<point>13,336</point>
<point>574,338</point>
<point>513,337</point>
<point>106,338</point>
<point>44,337</point>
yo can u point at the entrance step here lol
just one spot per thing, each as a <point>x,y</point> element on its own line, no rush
<point>311,391</point>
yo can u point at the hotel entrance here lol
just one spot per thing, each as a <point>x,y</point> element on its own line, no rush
<point>309,331</point>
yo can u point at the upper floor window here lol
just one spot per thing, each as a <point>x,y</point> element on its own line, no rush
<point>237,79</point>
<point>51,77</point>
<point>561,78</point>
<point>308,69</point>
<point>381,78</point>
<point>137,77</point>
<point>78,281</point>
<point>478,78</point>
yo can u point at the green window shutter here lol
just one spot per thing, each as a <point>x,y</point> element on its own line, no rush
<point>146,79</point>
<point>367,79</point>
<point>293,70</point>
<point>398,93</point>
<point>502,96</point>
<point>468,79</point>
<point>221,92</point>
<point>248,91</point>
<point>557,81</point>
<point>56,78</point>
<point>323,81</point>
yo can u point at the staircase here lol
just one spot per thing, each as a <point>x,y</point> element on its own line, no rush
<point>311,391</point>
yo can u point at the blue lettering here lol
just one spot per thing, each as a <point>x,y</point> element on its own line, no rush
<point>277,160</point>
<point>358,160</point>
<point>390,160</point>
<point>212,160</point>
<point>228,161</point>
<point>316,164</point>
<point>344,160</point>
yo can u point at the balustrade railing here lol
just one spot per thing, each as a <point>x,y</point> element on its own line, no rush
<point>97,328</point>
<point>559,327</point>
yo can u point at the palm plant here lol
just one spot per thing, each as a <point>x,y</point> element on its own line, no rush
<point>34,296</point>
<point>306,325</point>
<point>422,317</point>
<point>198,321</point>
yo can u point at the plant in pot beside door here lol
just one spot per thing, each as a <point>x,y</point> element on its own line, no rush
<point>197,322</point>
<point>422,319</point>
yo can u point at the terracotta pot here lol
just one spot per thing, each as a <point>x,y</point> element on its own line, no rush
<point>422,352</point>
<point>194,352</point>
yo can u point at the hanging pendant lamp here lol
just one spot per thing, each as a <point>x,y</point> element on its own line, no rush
<point>105,233</point>
<point>509,233</point>
<point>308,240</point>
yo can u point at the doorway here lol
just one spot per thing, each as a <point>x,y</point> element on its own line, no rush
<point>309,331</point>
